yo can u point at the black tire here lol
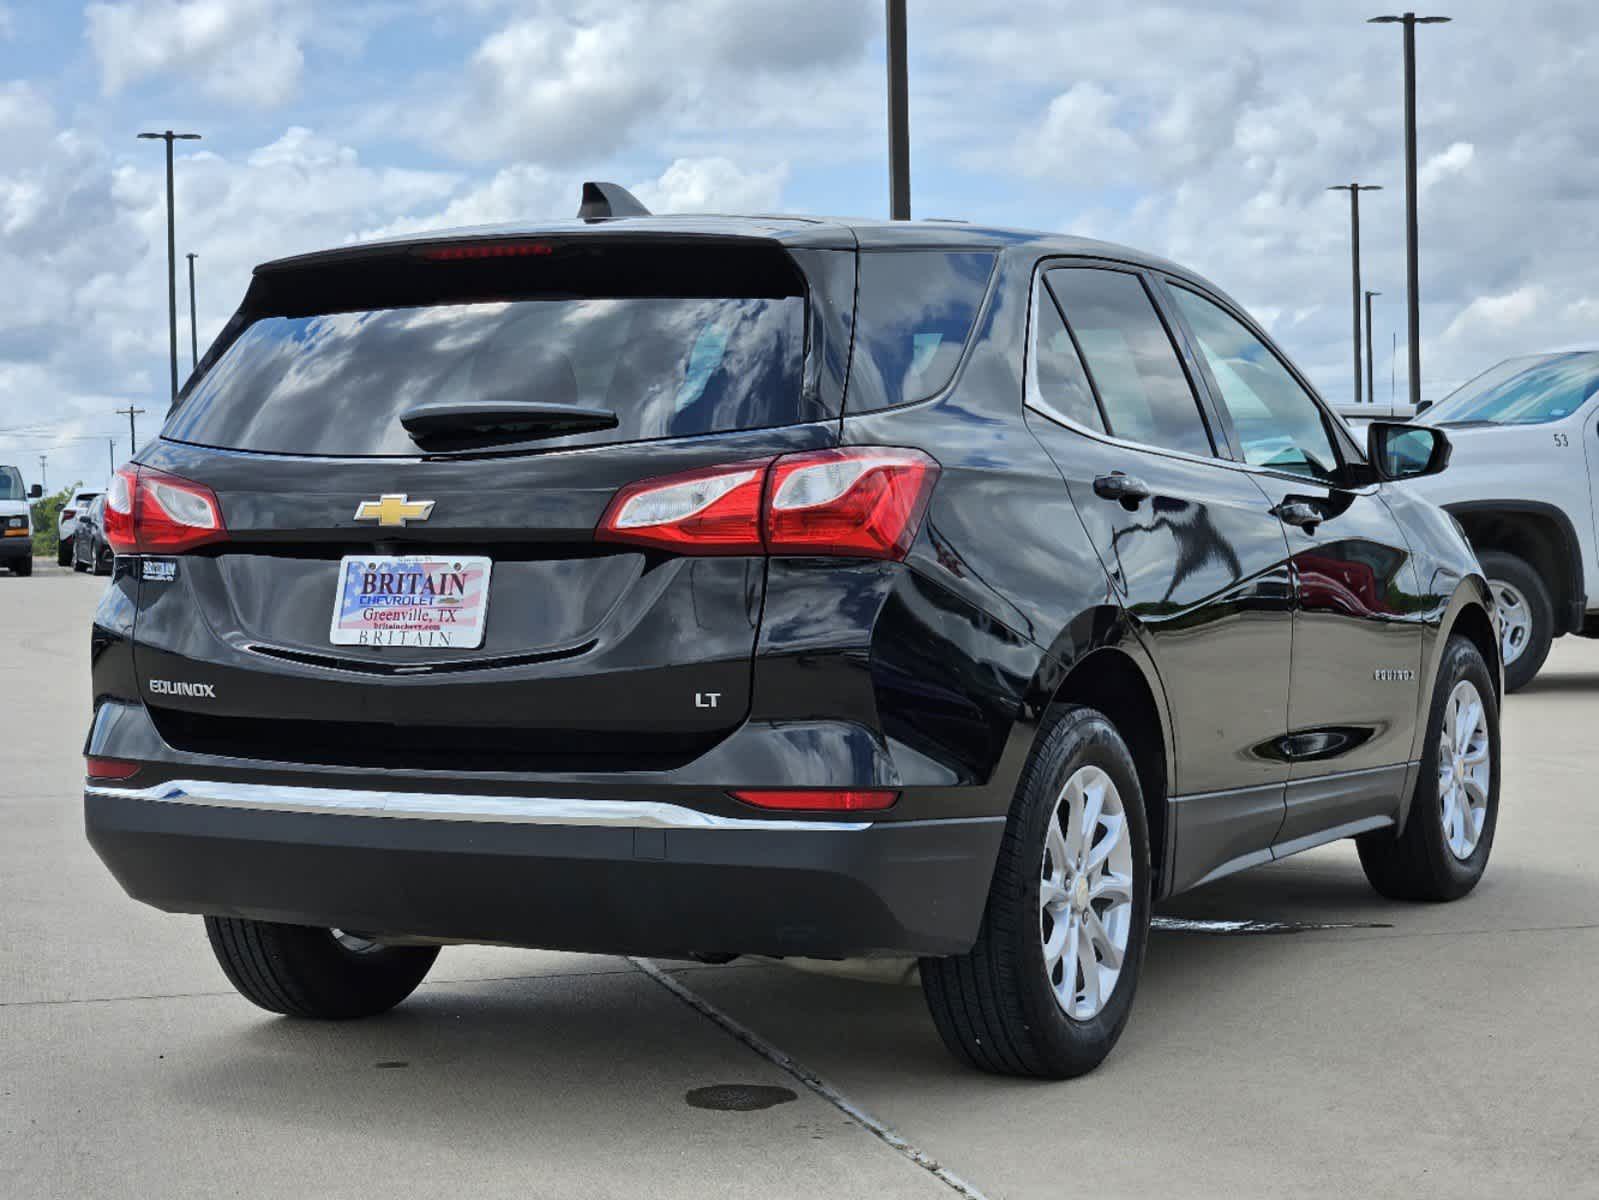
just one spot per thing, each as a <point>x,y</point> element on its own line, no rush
<point>300,971</point>
<point>1500,565</point>
<point>22,566</point>
<point>994,1006</point>
<point>1418,864</point>
<point>103,559</point>
<point>64,553</point>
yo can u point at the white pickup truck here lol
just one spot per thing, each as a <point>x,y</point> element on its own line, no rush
<point>16,528</point>
<point>1522,483</point>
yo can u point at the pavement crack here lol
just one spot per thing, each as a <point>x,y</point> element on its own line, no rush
<point>784,1062</point>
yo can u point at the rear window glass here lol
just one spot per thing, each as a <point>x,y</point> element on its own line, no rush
<point>338,383</point>
<point>913,317</point>
<point>11,484</point>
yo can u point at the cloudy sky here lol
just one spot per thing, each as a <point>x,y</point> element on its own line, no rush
<point>1206,132</point>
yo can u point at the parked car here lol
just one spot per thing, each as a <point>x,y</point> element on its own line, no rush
<point>716,585</point>
<point>16,521</point>
<point>67,524</point>
<point>1526,456</point>
<point>90,551</point>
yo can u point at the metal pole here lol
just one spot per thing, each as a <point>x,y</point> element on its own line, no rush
<point>133,434</point>
<point>44,478</point>
<point>1354,190</point>
<point>194,336</point>
<point>172,252</point>
<point>899,135</point>
<point>1412,225</point>
<point>111,454</point>
<point>1371,388</point>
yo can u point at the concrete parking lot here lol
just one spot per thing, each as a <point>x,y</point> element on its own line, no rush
<point>1404,1051</point>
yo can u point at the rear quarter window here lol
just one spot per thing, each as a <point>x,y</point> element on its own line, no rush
<point>913,317</point>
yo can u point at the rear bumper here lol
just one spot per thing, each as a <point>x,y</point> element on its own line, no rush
<point>16,547</point>
<point>589,875</point>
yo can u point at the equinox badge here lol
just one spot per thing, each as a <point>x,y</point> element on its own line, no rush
<point>391,509</point>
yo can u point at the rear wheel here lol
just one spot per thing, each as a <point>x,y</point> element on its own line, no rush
<point>1450,830</point>
<point>77,561</point>
<point>64,553</point>
<point>327,974</point>
<point>22,566</point>
<point>1526,615</point>
<point>1048,986</point>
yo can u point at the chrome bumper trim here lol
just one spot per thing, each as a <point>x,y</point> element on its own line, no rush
<point>433,806</point>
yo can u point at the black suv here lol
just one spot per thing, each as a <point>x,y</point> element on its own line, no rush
<point>695,586</point>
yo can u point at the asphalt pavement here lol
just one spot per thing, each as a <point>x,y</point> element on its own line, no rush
<point>1338,1045</point>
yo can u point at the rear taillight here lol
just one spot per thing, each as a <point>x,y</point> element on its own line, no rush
<point>819,800</point>
<point>857,502</point>
<point>68,513</point>
<point>151,512</point>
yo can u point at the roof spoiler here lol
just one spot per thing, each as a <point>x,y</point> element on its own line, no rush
<point>605,200</point>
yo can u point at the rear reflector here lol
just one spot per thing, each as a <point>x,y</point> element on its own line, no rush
<point>109,768</point>
<point>857,502</point>
<point>796,800</point>
<point>151,512</point>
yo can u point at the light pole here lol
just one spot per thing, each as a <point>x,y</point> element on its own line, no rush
<point>1354,190</point>
<point>194,337</point>
<point>1371,388</point>
<point>44,479</point>
<point>899,129</point>
<point>1412,267</point>
<point>172,250</point>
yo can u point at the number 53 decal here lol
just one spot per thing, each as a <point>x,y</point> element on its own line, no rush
<point>1562,440</point>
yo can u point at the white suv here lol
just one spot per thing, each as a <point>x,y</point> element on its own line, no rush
<point>1521,482</point>
<point>67,524</point>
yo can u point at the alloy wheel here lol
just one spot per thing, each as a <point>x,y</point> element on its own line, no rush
<point>1465,769</point>
<point>1085,898</point>
<point>1515,620</point>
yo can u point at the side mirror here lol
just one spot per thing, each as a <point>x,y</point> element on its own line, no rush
<point>36,491</point>
<point>1400,451</point>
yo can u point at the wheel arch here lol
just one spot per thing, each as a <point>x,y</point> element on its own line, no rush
<point>1117,678</point>
<point>1538,533</point>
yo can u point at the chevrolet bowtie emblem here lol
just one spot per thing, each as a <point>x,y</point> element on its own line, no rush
<point>393,510</point>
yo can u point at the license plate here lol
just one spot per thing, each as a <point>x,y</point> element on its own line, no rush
<point>411,600</point>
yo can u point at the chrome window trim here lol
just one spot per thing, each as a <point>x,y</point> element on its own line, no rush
<point>439,806</point>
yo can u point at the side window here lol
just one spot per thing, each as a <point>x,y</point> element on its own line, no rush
<point>1142,389</point>
<point>1058,376</point>
<point>912,321</point>
<point>1278,424</point>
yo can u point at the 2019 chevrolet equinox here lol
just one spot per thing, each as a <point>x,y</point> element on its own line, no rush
<point>716,585</point>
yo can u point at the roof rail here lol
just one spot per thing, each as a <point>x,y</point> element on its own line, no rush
<point>602,201</point>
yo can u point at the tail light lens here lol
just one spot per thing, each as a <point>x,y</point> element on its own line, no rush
<point>68,513</point>
<point>109,768</point>
<point>815,800</point>
<point>859,502</point>
<point>151,512</point>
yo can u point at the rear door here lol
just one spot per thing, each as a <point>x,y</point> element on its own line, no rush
<point>1195,556</point>
<point>1358,632</point>
<point>579,370</point>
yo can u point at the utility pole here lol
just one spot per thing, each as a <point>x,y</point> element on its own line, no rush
<point>172,250</point>
<point>133,434</point>
<point>44,479</point>
<point>111,455</point>
<point>1371,388</point>
<point>899,129</point>
<point>1354,190</point>
<point>1412,255</point>
<point>194,337</point>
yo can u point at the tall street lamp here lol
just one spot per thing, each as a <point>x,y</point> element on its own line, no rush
<point>1412,269</point>
<point>899,127</point>
<point>1371,389</point>
<point>172,250</point>
<point>1354,190</point>
<point>194,337</point>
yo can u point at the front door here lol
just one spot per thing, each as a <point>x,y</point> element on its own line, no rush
<point>1358,632</point>
<point>1190,545</point>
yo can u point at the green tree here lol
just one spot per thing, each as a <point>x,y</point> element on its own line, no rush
<point>47,521</point>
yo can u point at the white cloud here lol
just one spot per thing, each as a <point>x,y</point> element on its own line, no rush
<point>239,51</point>
<point>1439,167</point>
<point>713,185</point>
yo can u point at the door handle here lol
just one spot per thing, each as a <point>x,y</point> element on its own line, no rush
<point>1117,486</point>
<point>1299,513</point>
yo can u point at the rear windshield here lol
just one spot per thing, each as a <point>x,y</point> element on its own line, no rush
<point>338,383</point>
